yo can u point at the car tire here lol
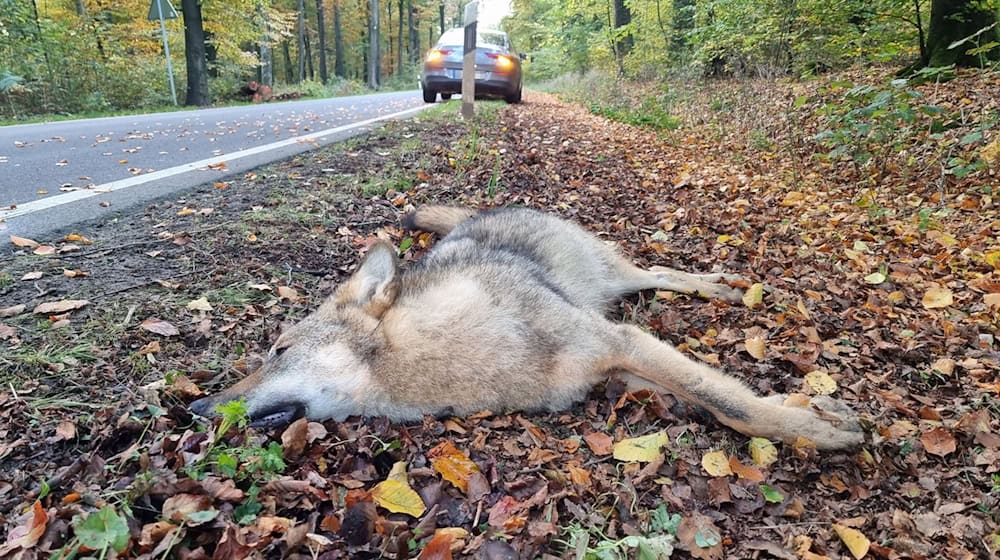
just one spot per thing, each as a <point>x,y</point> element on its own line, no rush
<point>430,96</point>
<point>513,97</point>
<point>445,96</point>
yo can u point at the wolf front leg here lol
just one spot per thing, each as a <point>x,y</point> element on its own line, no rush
<point>651,363</point>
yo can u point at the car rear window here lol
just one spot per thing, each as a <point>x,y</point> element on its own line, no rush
<point>456,36</point>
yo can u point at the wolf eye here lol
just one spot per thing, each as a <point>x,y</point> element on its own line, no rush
<point>279,350</point>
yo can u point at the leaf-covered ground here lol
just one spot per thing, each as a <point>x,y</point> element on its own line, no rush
<point>891,307</point>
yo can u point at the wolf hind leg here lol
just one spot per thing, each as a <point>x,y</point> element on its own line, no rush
<point>633,279</point>
<point>651,363</point>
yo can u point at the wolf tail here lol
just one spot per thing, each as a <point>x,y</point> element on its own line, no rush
<point>437,219</point>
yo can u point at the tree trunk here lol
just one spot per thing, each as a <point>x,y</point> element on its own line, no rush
<point>373,45</point>
<point>266,55</point>
<point>321,37</point>
<point>399,40</point>
<point>623,17</point>
<point>338,42</point>
<point>309,59</point>
<point>302,41</point>
<point>954,20</point>
<point>286,52</point>
<point>414,33</point>
<point>441,16</point>
<point>194,55</point>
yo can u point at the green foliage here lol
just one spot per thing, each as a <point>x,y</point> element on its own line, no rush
<point>656,542</point>
<point>868,124</point>
<point>248,461</point>
<point>101,530</point>
<point>717,37</point>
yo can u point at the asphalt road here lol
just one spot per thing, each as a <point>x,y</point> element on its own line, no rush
<point>51,172</point>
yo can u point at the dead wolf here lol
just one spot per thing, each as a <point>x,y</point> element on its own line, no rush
<point>506,312</point>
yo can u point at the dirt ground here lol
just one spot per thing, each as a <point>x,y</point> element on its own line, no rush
<point>180,298</point>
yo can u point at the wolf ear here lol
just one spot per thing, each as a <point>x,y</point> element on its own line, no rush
<point>374,285</point>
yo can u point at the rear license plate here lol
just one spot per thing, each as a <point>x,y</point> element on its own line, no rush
<point>482,75</point>
<point>455,74</point>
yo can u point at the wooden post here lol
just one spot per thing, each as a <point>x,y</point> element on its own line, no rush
<point>469,60</point>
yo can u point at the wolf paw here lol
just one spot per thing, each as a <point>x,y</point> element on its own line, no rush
<point>827,422</point>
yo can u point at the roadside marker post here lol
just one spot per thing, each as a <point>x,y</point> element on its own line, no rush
<point>161,10</point>
<point>469,60</point>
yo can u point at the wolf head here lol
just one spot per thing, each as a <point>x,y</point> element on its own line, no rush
<point>322,367</point>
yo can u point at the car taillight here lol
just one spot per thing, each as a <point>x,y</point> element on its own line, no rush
<point>437,55</point>
<point>504,62</point>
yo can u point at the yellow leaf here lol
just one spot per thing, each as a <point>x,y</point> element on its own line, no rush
<point>762,452</point>
<point>756,347</point>
<point>792,198</point>
<point>856,542</point>
<point>754,295</point>
<point>642,449</point>
<point>398,497</point>
<point>398,472</point>
<point>936,298</point>
<point>993,259</point>
<point>992,301</point>
<point>875,278</point>
<point>897,297</point>
<point>453,465</point>
<point>200,304</point>
<point>186,212</point>
<point>820,382</point>
<point>716,463</point>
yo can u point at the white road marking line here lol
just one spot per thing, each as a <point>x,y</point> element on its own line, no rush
<point>105,188</point>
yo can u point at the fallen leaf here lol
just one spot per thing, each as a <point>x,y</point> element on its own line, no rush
<point>200,304</point>
<point>180,507</point>
<point>77,238</point>
<point>875,278</point>
<point>771,494</point>
<point>745,471</point>
<point>762,452</point>
<point>438,548</point>
<point>855,541</point>
<point>44,250</point>
<point>57,307</point>
<point>599,443</point>
<point>12,310</point>
<point>287,293</point>
<point>936,298</point>
<point>398,497</point>
<point>160,327</point>
<point>754,295</point>
<point>820,382</point>
<point>938,441</point>
<point>293,439</point>
<point>66,430</point>
<point>756,347</point>
<point>33,275</point>
<point>641,449</point>
<point>453,465</point>
<point>186,211</point>
<point>716,463</point>
<point>992,301</point>
<point>23,241</point>
<point>697,534</point>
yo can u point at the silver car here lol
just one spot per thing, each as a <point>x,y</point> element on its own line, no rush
<point>498,68</point>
